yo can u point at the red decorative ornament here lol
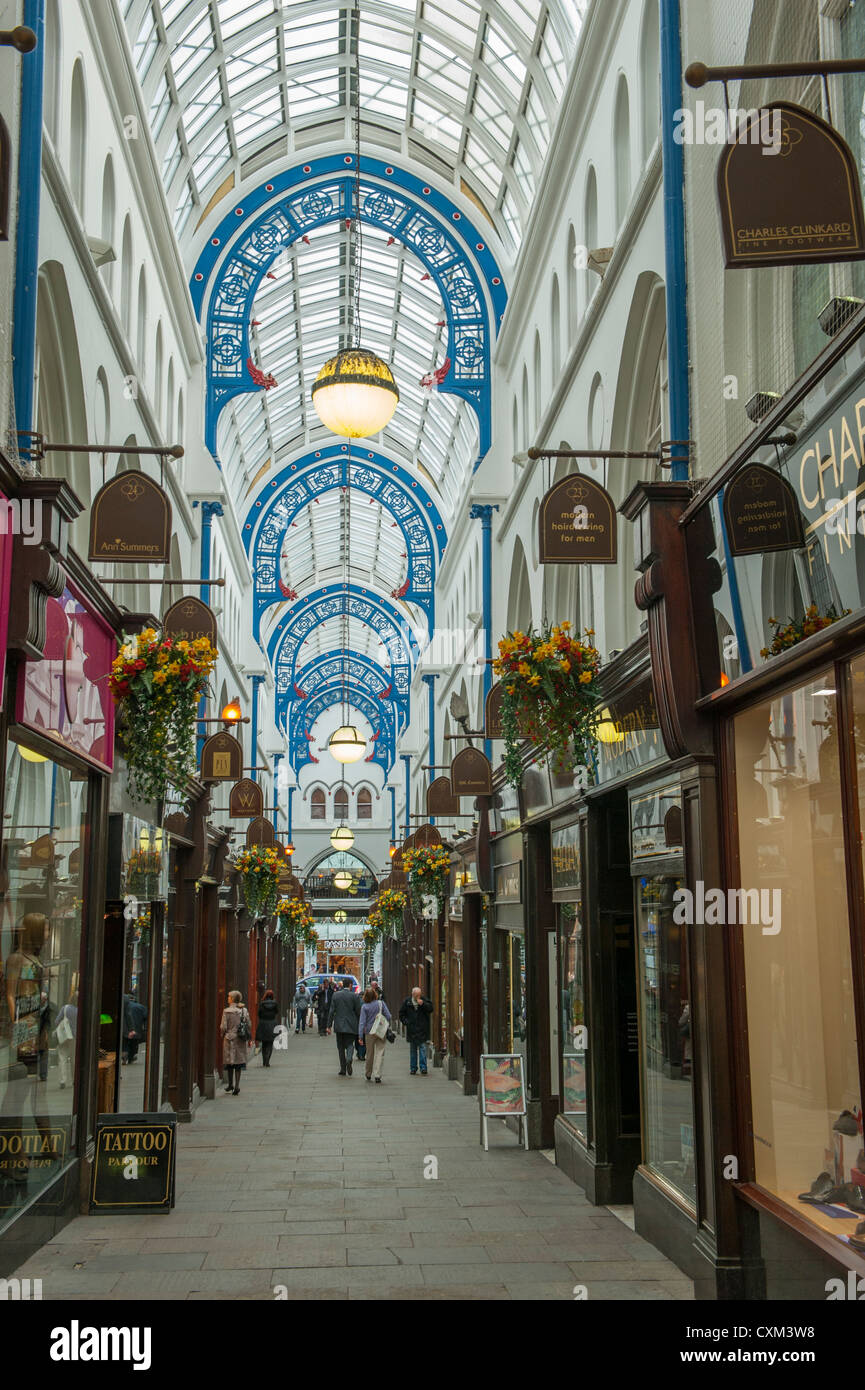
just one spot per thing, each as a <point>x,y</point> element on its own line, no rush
<point>434,379</point>
<point>401,592</point>
<point>265,379</point>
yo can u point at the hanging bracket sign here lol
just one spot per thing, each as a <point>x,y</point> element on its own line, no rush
<point>130,521</point>
<point>577,523</point>
<point>471,774</point>
<point>190,619</point>
<point>221,759</point>
<point>788,191</point>
<point>261,832</point>
<point>493,727</point>
<point>761,512</point>
<point>440,800</point>
<point>245,799</point>
<point>426,835</point>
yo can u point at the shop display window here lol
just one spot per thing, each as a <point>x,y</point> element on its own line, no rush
<point>573,1028</point>
<point>804,1078</point>
<point>665,1036</point>
<point>41,914</point>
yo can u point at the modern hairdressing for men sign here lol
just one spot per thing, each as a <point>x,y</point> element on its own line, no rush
<point>134,1167</point>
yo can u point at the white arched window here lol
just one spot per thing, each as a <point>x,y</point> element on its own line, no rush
<point>590,227</point>
<point>78,138</point>
<point>650,50</point>
<point>126,279</point>
<point>622,150</point>
<point>538,381</point>
<point>157,374</point>
<point>525,408</point>
<point>555,331</point>
<point>142,322</point>
<point>515,427</point>
<point>53,56</point>
<point>169,402</point>
<point>571,282</point>
<point>109,213</point>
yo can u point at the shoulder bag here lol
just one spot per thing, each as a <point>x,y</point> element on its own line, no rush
<point>379,1027</point>
<point>244,1031</point>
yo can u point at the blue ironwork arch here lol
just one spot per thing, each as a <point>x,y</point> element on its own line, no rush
<point>308,478</point>
<point>378,713</point>
<point>301,199</point>
<point>361,671</point>
<point>322,606</point>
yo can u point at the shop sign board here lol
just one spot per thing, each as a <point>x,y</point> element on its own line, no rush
<point>134,1166</point>
<point>261,832</point>
<point>440,800</point>
<point>130,522</point>
<point>493,727</point>
<point>788,191</point>
<point>509,883</point>
<point>245,799</point>
<point>502,1091</point>
<point>426,835</point>
<point>634,715</point>
<point>656,823</point>
<point>189,619</point>
<point>566,858</point>
<point>32,1149</point>
<point>471,774</point>
<point>761,512</point>
<point>221,758</point>
<point>577,523</point>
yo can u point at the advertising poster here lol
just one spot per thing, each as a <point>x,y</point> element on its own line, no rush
<point>503,1085</point>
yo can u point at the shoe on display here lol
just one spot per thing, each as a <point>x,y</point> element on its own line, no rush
<point>849,1194</point>
<point>846,1124</point>
<point>818,1189</point>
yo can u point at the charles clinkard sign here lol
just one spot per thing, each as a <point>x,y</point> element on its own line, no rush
<point>826,469</point>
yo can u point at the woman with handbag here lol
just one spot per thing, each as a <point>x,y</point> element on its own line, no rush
<point>372,1028</point>
<point>65,1027</point>
<point>236,1030</point>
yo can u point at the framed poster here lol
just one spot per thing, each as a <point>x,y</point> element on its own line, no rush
<point>503,1087</point>
<point>574,1083</point>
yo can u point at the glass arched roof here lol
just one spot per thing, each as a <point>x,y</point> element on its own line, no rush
<point>470,88</point>
<point>299,318</point>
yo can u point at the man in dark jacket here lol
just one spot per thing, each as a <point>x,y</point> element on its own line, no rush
<point>134,1026</point>
<point>343,1017</point>
<point>321,1002</point>
<point>415,1014</point>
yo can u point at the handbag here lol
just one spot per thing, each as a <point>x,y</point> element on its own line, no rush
<point>64,1030</point>
<point>390,1035</point>
<point>244,1030</point>
<point>379,1027</point>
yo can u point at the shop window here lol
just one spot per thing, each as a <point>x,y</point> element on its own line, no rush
<point>318,805</point>
<point>665,1025</point>
<point>364,804</point>
<point>40,952</point>
<point>804,1077</point>
<point>573,1022</point>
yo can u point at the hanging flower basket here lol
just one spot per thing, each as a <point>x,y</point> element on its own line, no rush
<point>259,873</point>
<point>390,906</point>
<point>144,873</point>
<point>550,695</point>
<point>294,921</point>
<point>795,630</point>
<point>157,684</point>
<point>428,868</point>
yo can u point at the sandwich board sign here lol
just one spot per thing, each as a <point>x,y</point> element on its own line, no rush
<point>134,1167</point>
<point>502,1091</point>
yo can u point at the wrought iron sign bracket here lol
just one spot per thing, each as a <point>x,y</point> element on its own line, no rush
<point>35,446</point>
<point>662,456</point>
<point>21,37</point>
<point>698,74</point>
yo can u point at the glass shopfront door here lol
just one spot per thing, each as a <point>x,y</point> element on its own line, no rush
<point>573,1028</point>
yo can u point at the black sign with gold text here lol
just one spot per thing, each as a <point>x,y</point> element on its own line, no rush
<point>440,800</point>
<point>134,1166</point>
<point>493,712</point>
<point>245,799</point>
<point>190,619</point>
<point>261,832</point>
<point>32,1152</point>
<point>788,191</point>
<point>471,774</point>
<point>577,524</point>
<point>130,521</point>
<point>761,512</point>
<point>221,759</point>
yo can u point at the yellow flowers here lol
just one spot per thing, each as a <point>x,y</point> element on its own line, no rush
<point>535,679</point>
<point>585,677</point>
<point>524,669</point>
<point>565,663</point>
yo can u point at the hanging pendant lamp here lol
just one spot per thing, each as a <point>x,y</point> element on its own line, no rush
<point>346,745</point>
<point>342,837</point>
<point>355,394</point>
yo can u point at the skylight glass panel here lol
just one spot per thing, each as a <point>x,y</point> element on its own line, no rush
<point>481,163</point>
<point>160,107</point>
<point>257,118</point>
<point>435,126</point>
<point>443,70</point>
<point>171,162</point>
<point>237,15</point>
<point>199,109</point>
<point>184,208</point>
<point>503,62</point>
<point>212,157</point>
<point>383,95</point>
<point>536,119</point>
<point>173,9</point>
<point>493,122</point>
<point>526,14</point>
<point>552,59</point>
<point>310,40</point>
<point>512,218</point>
<point>456,21</point>
<point>525,174</point>
<point>146,45</point>
<point>193,49</point>
<point>385,43</point>
<point>313,94</point>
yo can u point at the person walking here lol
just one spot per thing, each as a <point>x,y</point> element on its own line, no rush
<point>134,1025</point>
<point>268,1014</point>
<point>65,1029</point>
<point>344,1017</point>
<point>236,1030</point>
<point>321,1001</point>
<point>301,1008</point>
<point>373,1007</point>
<point>414,1014</point>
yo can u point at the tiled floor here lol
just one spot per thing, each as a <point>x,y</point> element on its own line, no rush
<point>310,1185</point>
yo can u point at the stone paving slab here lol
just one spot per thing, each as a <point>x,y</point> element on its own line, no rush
<point>310,1186</point>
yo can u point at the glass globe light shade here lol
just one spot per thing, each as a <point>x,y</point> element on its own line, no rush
<point>355,394</point>
<point>342,837</point>
<point>346,744</point>
<point>342,879</point>
<point>232,713</point>
<point>340,915</point>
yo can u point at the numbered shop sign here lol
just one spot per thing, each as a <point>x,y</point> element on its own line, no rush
<point>761,512</point>
<point>189,619</point>
<point>440,800</point>
<point>577,523</point>
<point>134,1166</point>
<point>130,522</point>
<point>471,774</point>
<point>261,832</point>
<point>245,799</point>
<point>788,191</point>
<point>221,759</point>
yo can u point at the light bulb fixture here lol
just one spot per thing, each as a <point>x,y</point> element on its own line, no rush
<point>346,745</point>
<point>342,837</point>
<point>355,394</point>
<point>340,915</point>
<point>289,849</point>
<point>392,849</point>
<point>607,732</point>
<point>29,755</point>
<point>342,879</point>
<point>232,713</point>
